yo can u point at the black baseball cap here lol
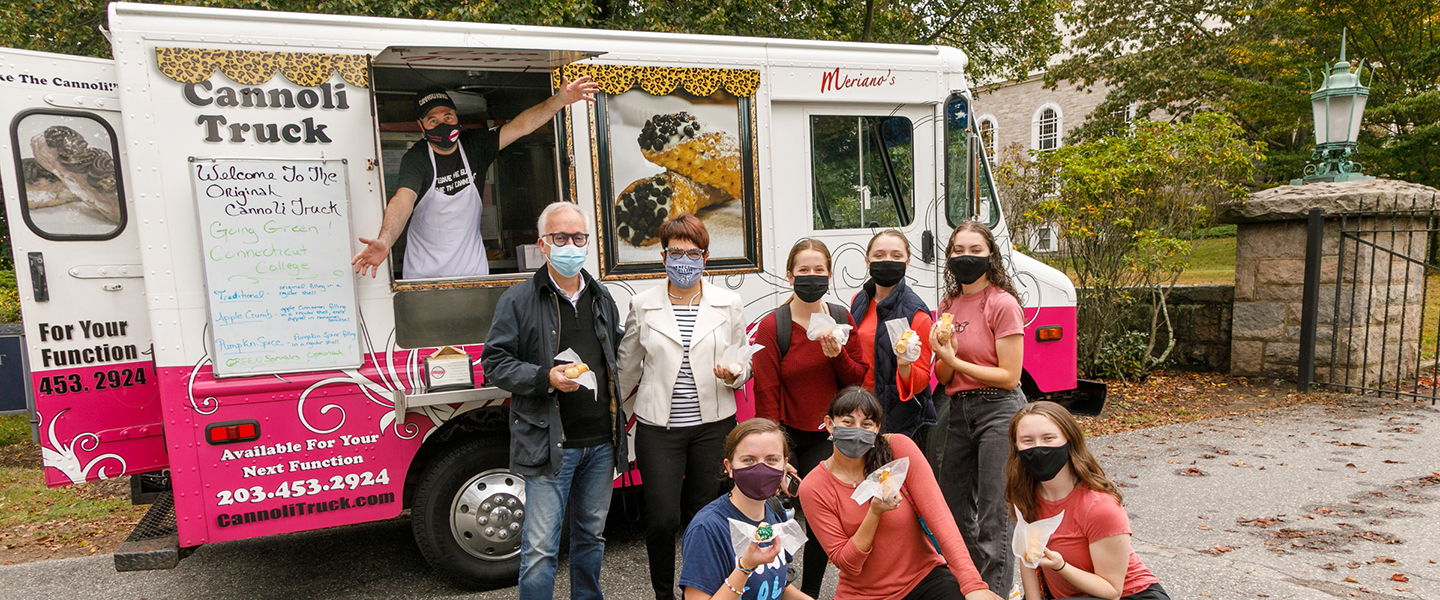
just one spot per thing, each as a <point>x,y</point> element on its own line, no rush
<point>427,100</point>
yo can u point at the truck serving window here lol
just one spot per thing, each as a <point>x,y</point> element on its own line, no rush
<point>968,190</point>
<point>514,188</point>
<point>864,171</point>
<point>70,185</point>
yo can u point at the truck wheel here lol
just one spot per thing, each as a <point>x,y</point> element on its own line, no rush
<point>468,513</point>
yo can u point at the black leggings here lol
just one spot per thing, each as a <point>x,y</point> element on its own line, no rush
<point>1154,592</point>
<point>680,469</point>
<point>808,449</point>
<point>940,584</point>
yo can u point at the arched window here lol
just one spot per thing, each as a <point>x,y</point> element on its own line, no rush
<point>1047,131</point>
<point>989,138</point>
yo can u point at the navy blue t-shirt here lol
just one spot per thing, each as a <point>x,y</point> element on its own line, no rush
<point>709,557</point>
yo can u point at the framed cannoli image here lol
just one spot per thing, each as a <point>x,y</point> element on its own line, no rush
<point>668,141</point>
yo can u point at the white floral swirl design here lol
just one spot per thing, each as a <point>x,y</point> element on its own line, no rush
<point>207,405</point>
<point>64,458</point>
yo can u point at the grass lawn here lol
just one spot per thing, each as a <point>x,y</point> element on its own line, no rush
<point>37,522</point>
<point>1213,262</point>
<point>9,297</point>
<point>1430,325</point>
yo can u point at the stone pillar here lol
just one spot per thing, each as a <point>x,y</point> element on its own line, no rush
<point>1270,277</point>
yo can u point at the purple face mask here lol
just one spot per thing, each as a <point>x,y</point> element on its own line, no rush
<point>758,481</point>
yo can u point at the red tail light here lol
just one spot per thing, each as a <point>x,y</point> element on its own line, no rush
<point>230,432</point>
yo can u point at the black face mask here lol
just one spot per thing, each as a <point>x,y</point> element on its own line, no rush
<point>1045,462</point>
<point>968,268</point>
<point>444,136</point>
<point>809,288</point>
<point>887,273</point>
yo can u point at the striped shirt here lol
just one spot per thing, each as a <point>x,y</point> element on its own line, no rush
<point>685,400</point>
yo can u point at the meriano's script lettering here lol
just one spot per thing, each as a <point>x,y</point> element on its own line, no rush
<point>836,80</point>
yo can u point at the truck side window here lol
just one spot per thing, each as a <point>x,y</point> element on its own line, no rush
<point>70,184</point>
<point>968,191</point>
<point>864,171</point>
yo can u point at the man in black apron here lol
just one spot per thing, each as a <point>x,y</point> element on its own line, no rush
<point>440,179</point>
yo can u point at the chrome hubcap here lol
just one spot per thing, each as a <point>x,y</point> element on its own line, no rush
<point>488,514</point>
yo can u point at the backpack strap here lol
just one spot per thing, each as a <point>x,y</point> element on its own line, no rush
<point>782,329</point>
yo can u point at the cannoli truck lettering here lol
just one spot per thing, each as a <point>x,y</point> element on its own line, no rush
<point>835,80</point>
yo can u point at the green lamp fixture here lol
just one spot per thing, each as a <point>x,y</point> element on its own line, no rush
<point>1338,107</point>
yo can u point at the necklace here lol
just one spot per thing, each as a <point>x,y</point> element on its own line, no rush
<point>830,465</point>
<point>693,299</point>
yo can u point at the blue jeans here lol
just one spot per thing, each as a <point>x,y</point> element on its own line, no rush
<point>587,476</point>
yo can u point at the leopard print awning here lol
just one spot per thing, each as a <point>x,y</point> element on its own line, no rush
<point>254,67</point>
<point>618,79</point>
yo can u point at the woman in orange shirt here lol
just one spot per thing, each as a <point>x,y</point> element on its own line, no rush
<point>901,380</point>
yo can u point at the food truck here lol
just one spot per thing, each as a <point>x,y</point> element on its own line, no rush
<point>183,217</point>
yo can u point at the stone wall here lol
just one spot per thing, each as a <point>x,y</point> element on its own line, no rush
<point>1015,107</point>
<point>1201,315</point>
<point>1379,309</point>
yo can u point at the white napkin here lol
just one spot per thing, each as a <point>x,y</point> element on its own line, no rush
<point>586,379</point>
<point>897,329</point>
<point>872,488</point>
<point>822,324</point>
<point>790,535</point>
<point>737,358</point>
<point>1033,535</point>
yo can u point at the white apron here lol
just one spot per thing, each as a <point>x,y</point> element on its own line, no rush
<point>444,238</point>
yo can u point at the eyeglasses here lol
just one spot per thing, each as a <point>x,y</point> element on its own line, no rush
<point>565,239</point>
<point>677,253</point>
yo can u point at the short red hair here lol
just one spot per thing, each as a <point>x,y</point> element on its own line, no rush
<point>685,226</point>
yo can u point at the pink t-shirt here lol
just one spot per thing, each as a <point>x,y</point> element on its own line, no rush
<point>980,319</point>
<point>1090,516</point>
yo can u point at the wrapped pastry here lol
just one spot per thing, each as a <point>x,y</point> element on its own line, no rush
<point>682,144</point>
<point>906,339</point>
<point>1034,548</point>
<point>576,371</point>
<point>764,532</point>
<point>645,204</point>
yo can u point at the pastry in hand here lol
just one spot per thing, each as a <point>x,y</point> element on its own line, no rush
<point>683,144</point>
<point>576,371</point>
<point>764,532</point>
<point>647,203</point>
<point>947,322</point>
<point>1034,549</point>
<point>906,339</point>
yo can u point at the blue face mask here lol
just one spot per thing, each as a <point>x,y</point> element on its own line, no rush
<point>684,272</point>
<point>567,260</point>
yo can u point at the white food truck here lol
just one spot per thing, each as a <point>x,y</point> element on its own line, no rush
<point>183,218</point>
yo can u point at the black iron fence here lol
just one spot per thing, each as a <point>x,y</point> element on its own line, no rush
<point>1371,301</point>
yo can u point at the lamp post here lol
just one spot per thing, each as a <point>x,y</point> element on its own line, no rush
<point>1338,107</point>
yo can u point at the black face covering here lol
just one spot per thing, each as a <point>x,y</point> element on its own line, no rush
<point>809,288</point>
<point>968,267</point>
<point>444,136</point>
<point>1045,462</point>
<point>887,273</point>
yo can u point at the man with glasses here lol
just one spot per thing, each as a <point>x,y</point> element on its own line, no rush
<point>440,179</point>
<point>566,440</point>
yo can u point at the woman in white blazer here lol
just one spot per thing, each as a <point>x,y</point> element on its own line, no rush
<point>682,394</point>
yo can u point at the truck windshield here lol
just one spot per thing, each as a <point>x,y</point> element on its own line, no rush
<point>969,191</point>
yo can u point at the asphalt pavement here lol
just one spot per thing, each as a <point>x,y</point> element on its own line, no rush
<point>1310,502</point>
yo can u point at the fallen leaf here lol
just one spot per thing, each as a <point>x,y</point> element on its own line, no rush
<point>1351,580</point>
<point>1400,578</point>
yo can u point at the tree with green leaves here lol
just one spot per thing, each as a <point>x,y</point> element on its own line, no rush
<point>1009,38</point>
<point>1130,208</point>
<point>1257,61</point>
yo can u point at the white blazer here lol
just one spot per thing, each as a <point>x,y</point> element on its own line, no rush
<point>650,353</point>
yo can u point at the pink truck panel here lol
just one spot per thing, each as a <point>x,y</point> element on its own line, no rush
<point>99,422</point>
<point>1051,364</point>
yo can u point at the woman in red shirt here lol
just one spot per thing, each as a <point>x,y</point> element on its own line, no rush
<point>1051,471</point>
<point>979,361</point>
<point>903,386</point>
<point>908,567</point>
<point>794,389</point>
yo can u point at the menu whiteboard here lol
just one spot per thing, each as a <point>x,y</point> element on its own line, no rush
<point>276,238</point>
